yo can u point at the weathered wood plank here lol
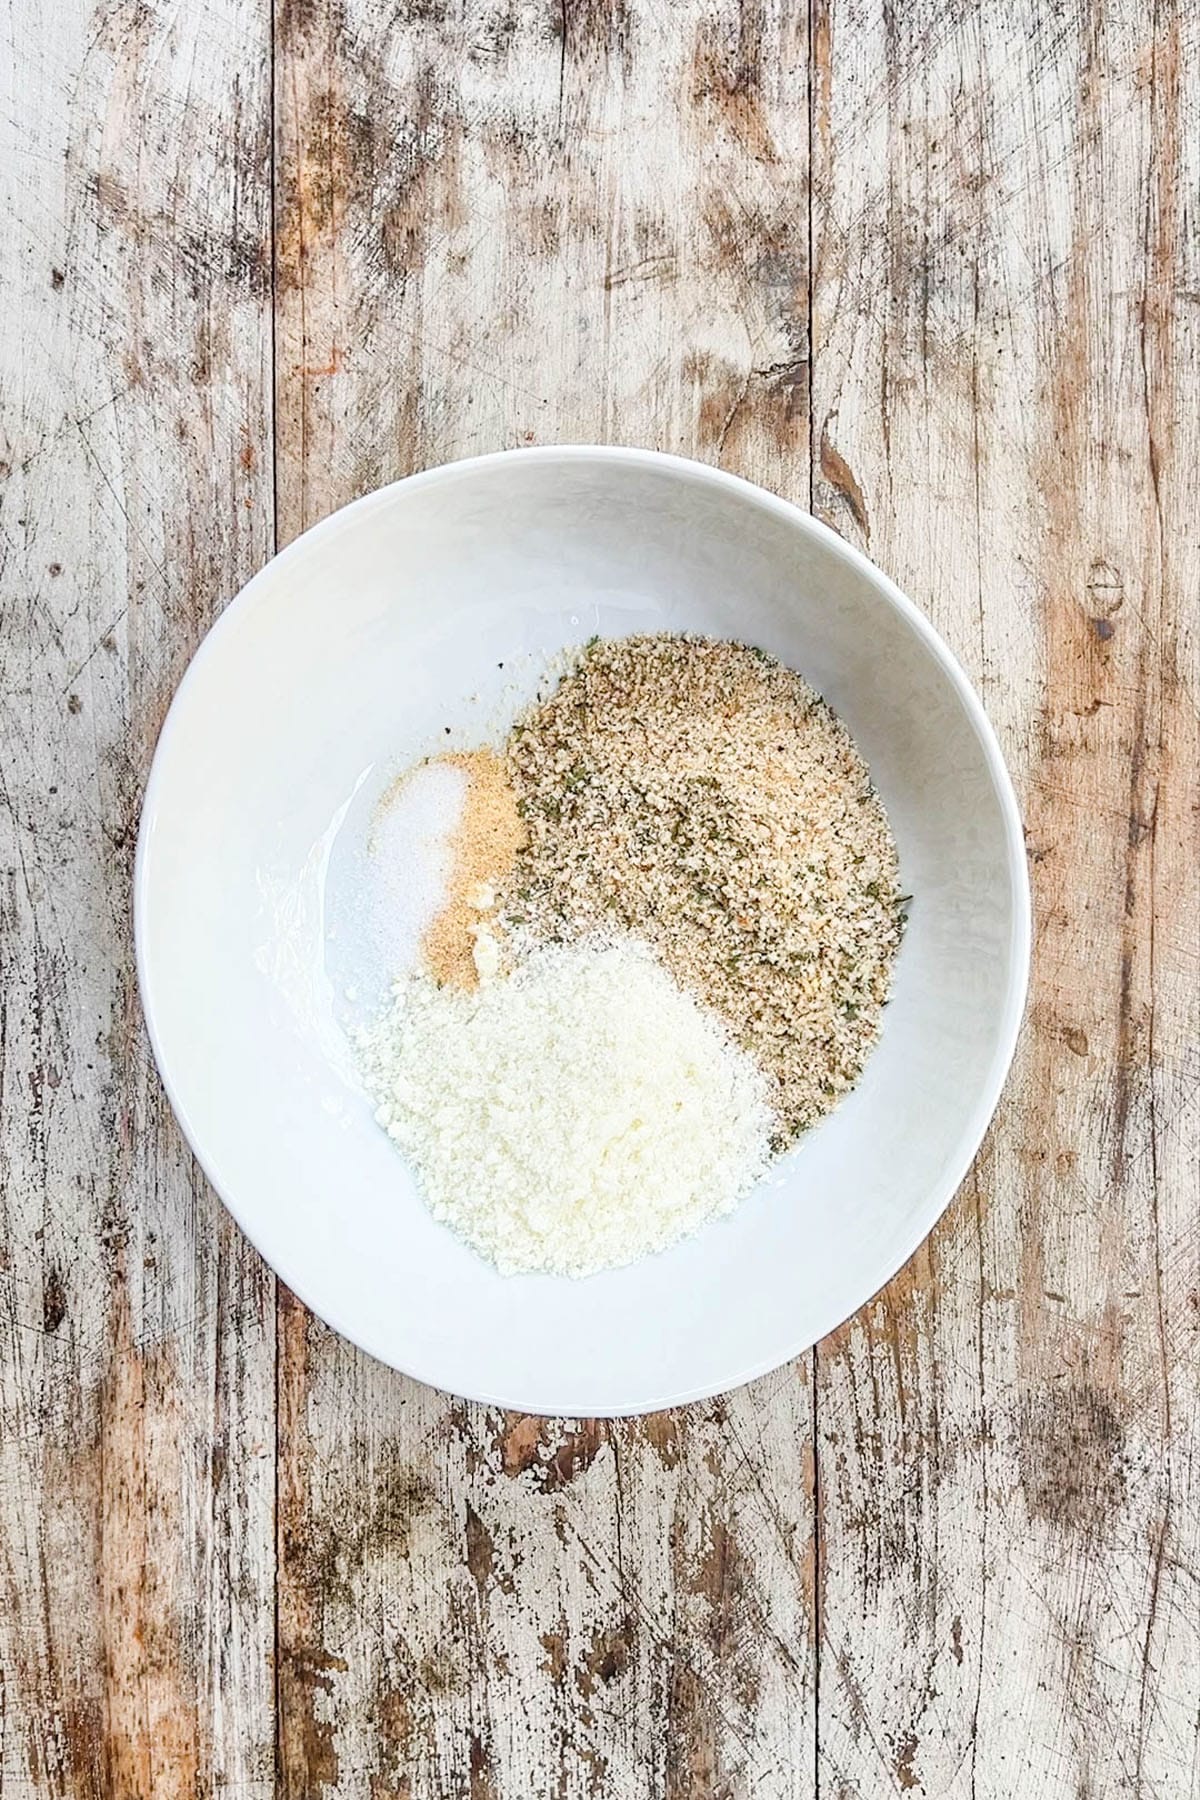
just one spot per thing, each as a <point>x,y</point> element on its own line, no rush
<point>1005,365</point>
<point>499,225</point>
<point>479,1604</point>
<point>502,225</point>
<point>136,1328</point>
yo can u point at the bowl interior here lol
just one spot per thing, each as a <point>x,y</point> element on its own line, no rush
<point>348,656</point>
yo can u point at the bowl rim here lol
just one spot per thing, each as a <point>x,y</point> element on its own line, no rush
<point>1016,990</point>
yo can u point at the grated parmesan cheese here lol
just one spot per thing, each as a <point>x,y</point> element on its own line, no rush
<point>573,1116</point>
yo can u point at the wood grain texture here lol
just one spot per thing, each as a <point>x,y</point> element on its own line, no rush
<point>1005,359</point>
<point>136,1341</point>
<point>501,225</point>
<point>957,1553</point>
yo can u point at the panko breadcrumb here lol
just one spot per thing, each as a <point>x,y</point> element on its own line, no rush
<point>703,797</point>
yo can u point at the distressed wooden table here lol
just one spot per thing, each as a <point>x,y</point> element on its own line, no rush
<point>932,269</point>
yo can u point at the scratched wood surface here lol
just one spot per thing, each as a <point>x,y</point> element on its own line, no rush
<point>933,270</point>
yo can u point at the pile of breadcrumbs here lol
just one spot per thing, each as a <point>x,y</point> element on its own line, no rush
<point>702,797</point>
<point>663,952</point>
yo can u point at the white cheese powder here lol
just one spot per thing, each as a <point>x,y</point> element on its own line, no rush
<point>571,1117</point>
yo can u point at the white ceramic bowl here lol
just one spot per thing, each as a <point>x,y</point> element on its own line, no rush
<point>346,657</point>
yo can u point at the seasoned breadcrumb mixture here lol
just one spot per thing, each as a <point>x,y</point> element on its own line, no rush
<point>663,953</point>
<point>703,797</point>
